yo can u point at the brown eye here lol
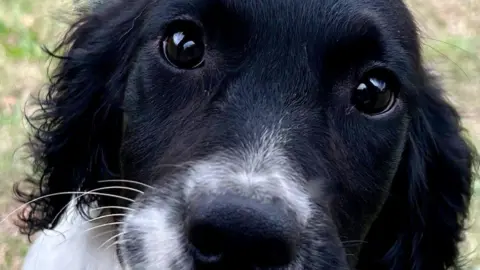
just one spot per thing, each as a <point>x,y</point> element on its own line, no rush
<point>375,94</point>
<point>184,46</point>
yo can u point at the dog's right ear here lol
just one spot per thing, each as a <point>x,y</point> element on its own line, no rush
<point>428,206</point>
<point>77,129</point>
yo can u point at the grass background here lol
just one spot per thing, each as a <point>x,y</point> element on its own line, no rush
<point>451,38</point>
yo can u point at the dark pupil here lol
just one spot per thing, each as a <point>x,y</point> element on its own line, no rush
<point>183,50</point>
<point>372,96</point>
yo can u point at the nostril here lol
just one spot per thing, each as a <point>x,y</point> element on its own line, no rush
<point>232,230</point>
<point>208,243</point>
<point>203,256</point>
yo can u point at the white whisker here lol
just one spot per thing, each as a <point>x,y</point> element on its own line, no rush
<point>113,207</point>
<point>126,181</point>
<point>104,216</point>
<point>114,243</point>
<point>111,238</point>
<point>103,233</point>
<point>98,218</point>
<point>94,190</point>
<point>64,193</point>
<point>104,225</point>
<point>94,228</point>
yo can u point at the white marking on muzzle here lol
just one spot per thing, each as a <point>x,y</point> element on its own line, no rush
<point>161,241</point>
<point>261,171</point>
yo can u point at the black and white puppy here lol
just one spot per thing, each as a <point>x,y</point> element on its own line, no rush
<point>241,134</point>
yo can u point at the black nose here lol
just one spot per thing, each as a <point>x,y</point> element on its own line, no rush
<point>233,232</point>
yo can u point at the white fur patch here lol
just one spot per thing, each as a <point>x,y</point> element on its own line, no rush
<point>161,241</point>
<point>70,246</point>
<point>259,171</point>
<point>262,172</point>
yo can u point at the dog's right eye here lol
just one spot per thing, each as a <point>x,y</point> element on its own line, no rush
<point>183,45</point>
<point>375,93</point>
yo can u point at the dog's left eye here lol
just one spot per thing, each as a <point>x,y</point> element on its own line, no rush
<point>183,45</point>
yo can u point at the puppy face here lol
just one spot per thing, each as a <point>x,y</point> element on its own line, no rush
<point>270,132</point>
<point>273,134</point>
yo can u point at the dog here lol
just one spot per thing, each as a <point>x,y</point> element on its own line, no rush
<point>228,134</point>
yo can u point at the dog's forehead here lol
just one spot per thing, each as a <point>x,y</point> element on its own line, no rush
<point>281,18</point>
<point>296,10</point>
<point>310,15</point>
<point>285,22</point>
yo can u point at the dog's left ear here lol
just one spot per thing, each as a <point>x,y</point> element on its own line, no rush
<point>429,202</point>
<point>77,131</point>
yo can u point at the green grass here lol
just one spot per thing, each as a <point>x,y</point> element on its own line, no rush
<point>25,25</point>
<point>11,133</point>
<point>451,36</point>
<point>12,247</point>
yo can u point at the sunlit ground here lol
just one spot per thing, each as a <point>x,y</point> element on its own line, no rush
<point>451,35</point>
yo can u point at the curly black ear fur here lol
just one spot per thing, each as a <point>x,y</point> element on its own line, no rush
<point>424,218</point>
<point>77,130</point>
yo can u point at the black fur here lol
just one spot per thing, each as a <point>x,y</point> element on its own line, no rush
<point>415,220</point>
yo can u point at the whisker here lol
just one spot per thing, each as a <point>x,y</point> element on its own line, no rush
<point>103,225</point>
<point>351,243</point>
<point>103,233</point>
<point>93,228</point>
<point>114,207</point>
<point>448,58</point>
<point>94,190</point>
<point>354,241</point>
<point>104,216</point>
<point>115,243</point>
<point>452,45</point>
<point>110,215</point>
<point>111,238</point>
<point>126,181</point>
<point>63,193</point>
<point>98,218</point>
